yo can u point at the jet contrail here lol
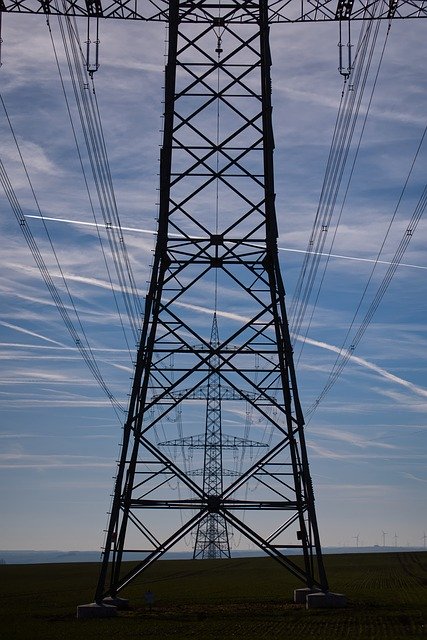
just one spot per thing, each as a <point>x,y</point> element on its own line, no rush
<point>420,391</point>
<point>15,327</point>
<point>337,255</point>
<point>178,235</point>
<point>100,226</point>
<point>239,318</point>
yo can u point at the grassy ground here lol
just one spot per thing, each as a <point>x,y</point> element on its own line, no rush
<point>242,599</point>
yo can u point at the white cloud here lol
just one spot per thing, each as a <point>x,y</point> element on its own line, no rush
<point>350,437</point>
<point>54,461</point>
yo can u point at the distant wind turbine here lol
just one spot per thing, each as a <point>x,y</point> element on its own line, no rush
<point>384,535</point>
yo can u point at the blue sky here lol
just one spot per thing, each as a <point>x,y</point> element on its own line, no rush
<point>58,433</point>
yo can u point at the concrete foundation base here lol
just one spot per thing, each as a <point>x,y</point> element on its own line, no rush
<point>95,610</point>
<point>327,600</point>
<point>120,603</point>
<point>300,595</point>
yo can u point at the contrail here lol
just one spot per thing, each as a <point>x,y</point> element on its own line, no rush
<point>337,255</point>
<point>100,226</point>
<point>30,333</point>
<point>420,391</point>
<point>239,318</point>
<point>178,235</point>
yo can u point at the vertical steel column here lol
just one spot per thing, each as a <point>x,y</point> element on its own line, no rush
<point>308,531</point>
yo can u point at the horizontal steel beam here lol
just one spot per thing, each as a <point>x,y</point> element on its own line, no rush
<point>272,505</point>
<point>233,12</point>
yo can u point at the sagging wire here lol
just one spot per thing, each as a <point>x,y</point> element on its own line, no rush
<point>92,130</point>
<point>86,183</point>
<point>347,188</point>
<point>345,354</point>
<point>81,343</point>
<point>343,132</point>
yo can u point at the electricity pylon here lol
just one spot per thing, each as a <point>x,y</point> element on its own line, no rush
<point>217,232</point>
<point>212,539</point>
<point>212,536</point>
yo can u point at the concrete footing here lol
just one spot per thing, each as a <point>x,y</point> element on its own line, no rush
<point>327,600</point>
<point>300,595</point>
<point>121,604</point>
<point>317,599</point>
<point>95,610</point>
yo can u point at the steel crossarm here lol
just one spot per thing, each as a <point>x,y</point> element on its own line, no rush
<point>281,11</point>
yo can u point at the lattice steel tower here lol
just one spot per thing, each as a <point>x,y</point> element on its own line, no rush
<point>212,539</point>
<point>217,232</point>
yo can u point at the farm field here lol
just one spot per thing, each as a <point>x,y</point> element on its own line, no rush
<point>239,599</point>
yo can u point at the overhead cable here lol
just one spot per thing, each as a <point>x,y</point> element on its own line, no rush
<point>346,352</point>
<point>328,253</point>
<point>86,182</point>
<point>338,154</point>
<point>79,339</point>
<point>97,153</point>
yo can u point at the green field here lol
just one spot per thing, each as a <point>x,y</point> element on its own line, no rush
<point>246,598</point>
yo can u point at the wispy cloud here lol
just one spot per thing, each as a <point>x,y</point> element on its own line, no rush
<point>364,493</point>
<point>411,476</point>
<point>21,345</point>
<point>350,437</point>
<point>402,399</point>
<point>332,454</point>
<point>27,403</point>
<point>45,462</point>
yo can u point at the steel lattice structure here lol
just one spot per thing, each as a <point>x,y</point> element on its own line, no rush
<point>212,540</point>
<point>212,537</point>
<point>217,229</point>
<point>243,11</point>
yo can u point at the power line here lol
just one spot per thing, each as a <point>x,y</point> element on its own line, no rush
<point>85,179</point>
<point>80,339</point>
<point>349,180</point>
<point>97,154</point>
<point>340,146</point>
<point>345,353</point>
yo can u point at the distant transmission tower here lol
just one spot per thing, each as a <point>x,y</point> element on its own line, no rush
<point>212,533</point>
<point>212,538</point>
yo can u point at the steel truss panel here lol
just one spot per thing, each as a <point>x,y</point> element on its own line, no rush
<point>217,234</point>
<point>235,11</point>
